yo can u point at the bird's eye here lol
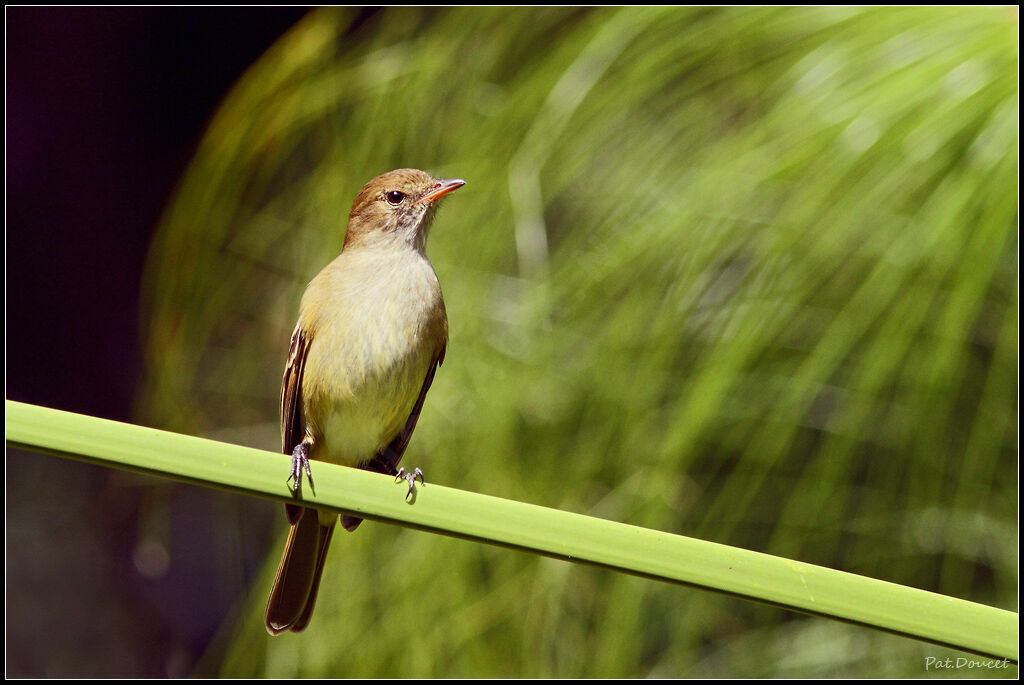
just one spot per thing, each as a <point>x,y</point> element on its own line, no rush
<point>395,197</point>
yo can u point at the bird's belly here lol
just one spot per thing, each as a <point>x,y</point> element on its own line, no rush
<point>355,430</point>
<point>377,332</point>
<point>366,391</point>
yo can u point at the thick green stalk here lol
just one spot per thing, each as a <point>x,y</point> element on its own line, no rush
<point>650,553</point>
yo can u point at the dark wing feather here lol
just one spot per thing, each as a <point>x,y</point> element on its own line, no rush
<point>386,461</point>
<point>293,424</point>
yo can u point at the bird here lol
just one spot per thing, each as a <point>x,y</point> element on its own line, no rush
<point>372,331</point>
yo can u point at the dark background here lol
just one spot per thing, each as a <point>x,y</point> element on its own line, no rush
<point>105,107</point>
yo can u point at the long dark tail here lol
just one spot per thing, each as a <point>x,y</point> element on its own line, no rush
<point>293,594</point>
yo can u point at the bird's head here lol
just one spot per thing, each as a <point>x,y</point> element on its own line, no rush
<point>398,205</point>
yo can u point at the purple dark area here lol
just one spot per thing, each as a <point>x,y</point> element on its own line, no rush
<point>104,109</point>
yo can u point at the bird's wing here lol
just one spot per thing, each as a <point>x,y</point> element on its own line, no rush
<point>292,419</point>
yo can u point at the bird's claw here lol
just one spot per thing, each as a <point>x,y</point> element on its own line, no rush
<point>300,463</point>
<point>410,478</point>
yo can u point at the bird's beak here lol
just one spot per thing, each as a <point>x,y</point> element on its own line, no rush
<point>442,188</point>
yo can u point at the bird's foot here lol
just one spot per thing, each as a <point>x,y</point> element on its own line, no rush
<point>410,478</point>
<point>300,463</point>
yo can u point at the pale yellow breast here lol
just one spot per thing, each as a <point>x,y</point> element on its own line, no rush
<point>376,322</point>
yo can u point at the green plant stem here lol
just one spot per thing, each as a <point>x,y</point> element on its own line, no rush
<point>654,554</point>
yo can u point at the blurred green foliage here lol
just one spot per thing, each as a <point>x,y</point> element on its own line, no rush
<point>746,274</point>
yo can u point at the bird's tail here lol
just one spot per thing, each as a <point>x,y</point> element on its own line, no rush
<point>293,594</point>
